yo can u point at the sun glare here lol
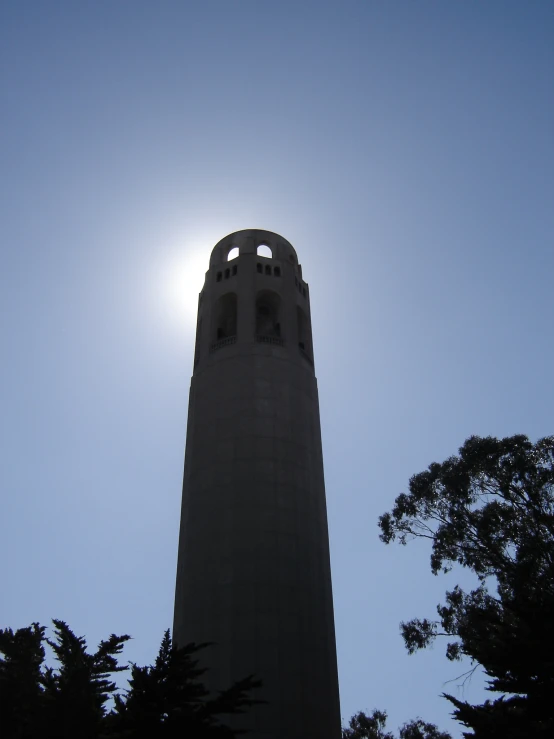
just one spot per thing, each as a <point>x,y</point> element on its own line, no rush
<point>183,280</point>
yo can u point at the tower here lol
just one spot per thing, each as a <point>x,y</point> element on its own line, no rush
<point>253,573</point>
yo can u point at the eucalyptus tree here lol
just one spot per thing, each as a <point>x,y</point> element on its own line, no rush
<point>490,509</point>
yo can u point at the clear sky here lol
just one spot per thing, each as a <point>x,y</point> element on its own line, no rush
<point>406,149</point>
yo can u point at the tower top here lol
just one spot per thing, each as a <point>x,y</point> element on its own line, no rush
<point>248,240</point>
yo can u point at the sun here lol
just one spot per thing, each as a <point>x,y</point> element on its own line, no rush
<point>183,279</point>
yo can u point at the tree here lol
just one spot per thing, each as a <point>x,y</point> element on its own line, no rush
<point>362,726</point>
<point>71,700</point>
<point>65,702</point>
<point>491,510</point>
<point>168,699</point>
<point>21,658</point>
<point>75,694</point>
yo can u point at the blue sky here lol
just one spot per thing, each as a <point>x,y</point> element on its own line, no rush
<point>405,149</point>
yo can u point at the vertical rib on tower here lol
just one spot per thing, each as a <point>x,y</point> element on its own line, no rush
<point>253,571</point>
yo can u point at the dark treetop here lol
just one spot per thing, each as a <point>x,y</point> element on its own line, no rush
<point>491,510</point>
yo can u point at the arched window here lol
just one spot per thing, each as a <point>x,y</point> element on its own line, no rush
<point>227,273</point>
<point>277,271</point>
<point>233,254</point>
<point>268,318</point>
<point>268,269</point>
<point>225,317</point>
<point>259,268</point>
<point>264,251</point>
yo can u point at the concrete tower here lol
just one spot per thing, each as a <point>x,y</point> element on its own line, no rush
<point>253,571</point>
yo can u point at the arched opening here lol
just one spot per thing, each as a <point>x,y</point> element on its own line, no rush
<point>264,251</point>
<point>233,254</point>
<point>268,316</point>
<point>225,317</point>
<point>304,337</point>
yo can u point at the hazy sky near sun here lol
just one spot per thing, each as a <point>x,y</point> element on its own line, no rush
<point>405,149</point>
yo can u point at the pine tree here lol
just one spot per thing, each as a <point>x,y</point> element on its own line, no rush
<point>71,700</point>
<point>168,699</point>
<point>76,692</point>
<point>21,691</point>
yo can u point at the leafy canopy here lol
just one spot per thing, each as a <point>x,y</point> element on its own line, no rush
<point>491,510</point>
<point>362,726</point>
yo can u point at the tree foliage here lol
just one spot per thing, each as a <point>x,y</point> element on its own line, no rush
<point>362,726</point>
<point>21,693</point>
<point>68,701</point>
<point>168,699</point>
<point>491,510</point>
<point>73,699</point>
<point>76,692</point>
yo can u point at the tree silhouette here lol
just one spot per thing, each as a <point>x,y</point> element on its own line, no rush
<point>491,510</point>
<point>21,692</point>
<point>362,726</point>
<point>76,692</point>
<point>71,701</point>
<point>168,698</point>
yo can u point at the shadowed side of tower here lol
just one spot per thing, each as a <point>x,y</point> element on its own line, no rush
<point>253,570</point>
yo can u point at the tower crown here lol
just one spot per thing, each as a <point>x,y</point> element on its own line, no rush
<point>248,241</point>
<point>255,300</point>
